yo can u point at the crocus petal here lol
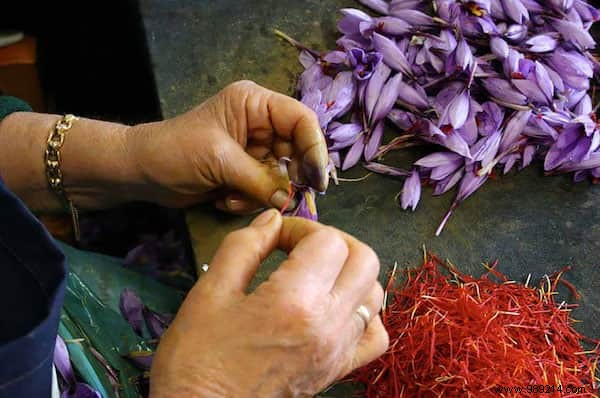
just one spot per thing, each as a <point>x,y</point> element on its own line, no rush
<point>411,96</point>
<point>541,44</point>
<point>528,154</point>
<point>81,390</point>
<point>131,307</point>
<point>306,59</point>
<point>411,193</point>
<point>469,184</point>
<point>458,110</point>
<point>413,17</point>
<point>530,89</point>
<point>543,80</point>
<point>488,149</point>
<point>392,55</point>
<point>438,159</point>
<point>516,33</point>
<point>62,362</point>
<point>156,322</point>
<point>402,119</point>
<point>392,26</point>
<point>345,132</point>
<point>380,6</point>
<point>584,107</point>
<point>335,159</point>
<point>351,18</point>
<point>141,359</point>
<point>387,99</point>
<point>574,33</point>
<point>386,170</point>
<point>515,10</point>
<point>499,47</point>
<point>374,86</point>
<point>502,90</point>
<point>514,129</point>
<point>354,154</point>
<point>464,56</point>
<point>397,5</point>
<point>448,183</point>
<point>374,142</point>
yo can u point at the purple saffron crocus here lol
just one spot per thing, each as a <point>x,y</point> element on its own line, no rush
<point>541,44</point>
<point>373,142</point>
<point>411,193</point>
<point>381,6</point>
<point>307,207</point>
<point>62,362</point>
<point>457,111</point>
<point>156,322</point>
<point>515,10</point>
<point>374,87</point>
<point>392,55</point>
<point>363,63</point>
<point>131,307</point>
<point>351,19</point>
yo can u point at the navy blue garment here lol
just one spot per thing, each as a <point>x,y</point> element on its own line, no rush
<point>32,284</point>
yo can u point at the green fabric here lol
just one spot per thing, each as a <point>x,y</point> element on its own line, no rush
<point>92,325</point>
<point>10,104</point>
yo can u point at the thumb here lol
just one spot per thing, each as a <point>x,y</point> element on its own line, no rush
<point>242,252</point>
<point>261,181</point>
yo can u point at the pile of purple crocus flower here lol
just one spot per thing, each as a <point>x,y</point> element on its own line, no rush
<point>492,83</point>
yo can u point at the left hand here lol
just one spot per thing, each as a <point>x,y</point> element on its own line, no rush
<point>227,148</point>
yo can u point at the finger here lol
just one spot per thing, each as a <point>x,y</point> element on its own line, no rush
<point>372,345</point>
<point>241,253</point>
<point>258,151</point>
<point>237,203</point>
<point>294,122</point>
<point>259,180</point>
<point>369,308</point>
<point>358,276</point>
<point>282,148</point>
<point>314,263</point>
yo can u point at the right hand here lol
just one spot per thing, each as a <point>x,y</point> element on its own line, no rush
<point>294,335</point>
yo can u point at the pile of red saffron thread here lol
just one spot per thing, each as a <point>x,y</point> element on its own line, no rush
<point>454,335</point>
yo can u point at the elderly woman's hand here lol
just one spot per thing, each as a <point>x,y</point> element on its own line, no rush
<point>227,147</point>
<point>293,336</point>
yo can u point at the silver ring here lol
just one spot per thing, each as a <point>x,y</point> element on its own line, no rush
<point>364,314</point>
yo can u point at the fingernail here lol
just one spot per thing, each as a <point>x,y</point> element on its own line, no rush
<point>280,198</point>
<point>264,218</point>
<point>236,205</point>
<point>315,165</point>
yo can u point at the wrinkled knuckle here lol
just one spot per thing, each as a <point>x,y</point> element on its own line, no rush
<point>243,84</point>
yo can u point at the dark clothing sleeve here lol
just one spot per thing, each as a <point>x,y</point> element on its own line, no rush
<point>32,283</point>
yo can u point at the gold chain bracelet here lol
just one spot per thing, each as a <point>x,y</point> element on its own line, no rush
<point>54,174</point>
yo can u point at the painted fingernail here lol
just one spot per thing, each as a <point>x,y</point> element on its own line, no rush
<point>280,198</point>
<point>264,218</point>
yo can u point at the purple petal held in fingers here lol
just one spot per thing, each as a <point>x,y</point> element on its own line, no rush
<point>515,10</point>
<point>502,90</point>
<point>131,307</point>
<point>380,6</point>
<point>307,207</point>
<point>373,142</point>
<point>541,44</point>
<point>574,33</point>
<point>351,18</point>
<point>374,86</point>
<point>499,47</point>
<point>438,159</point>
<point>386,170</point>
<point>344,132</point>
<point>413,17</point>
<point>387,99</point>
<point>392,55</point>
<point>411,193</point>
<point>354,154</point>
